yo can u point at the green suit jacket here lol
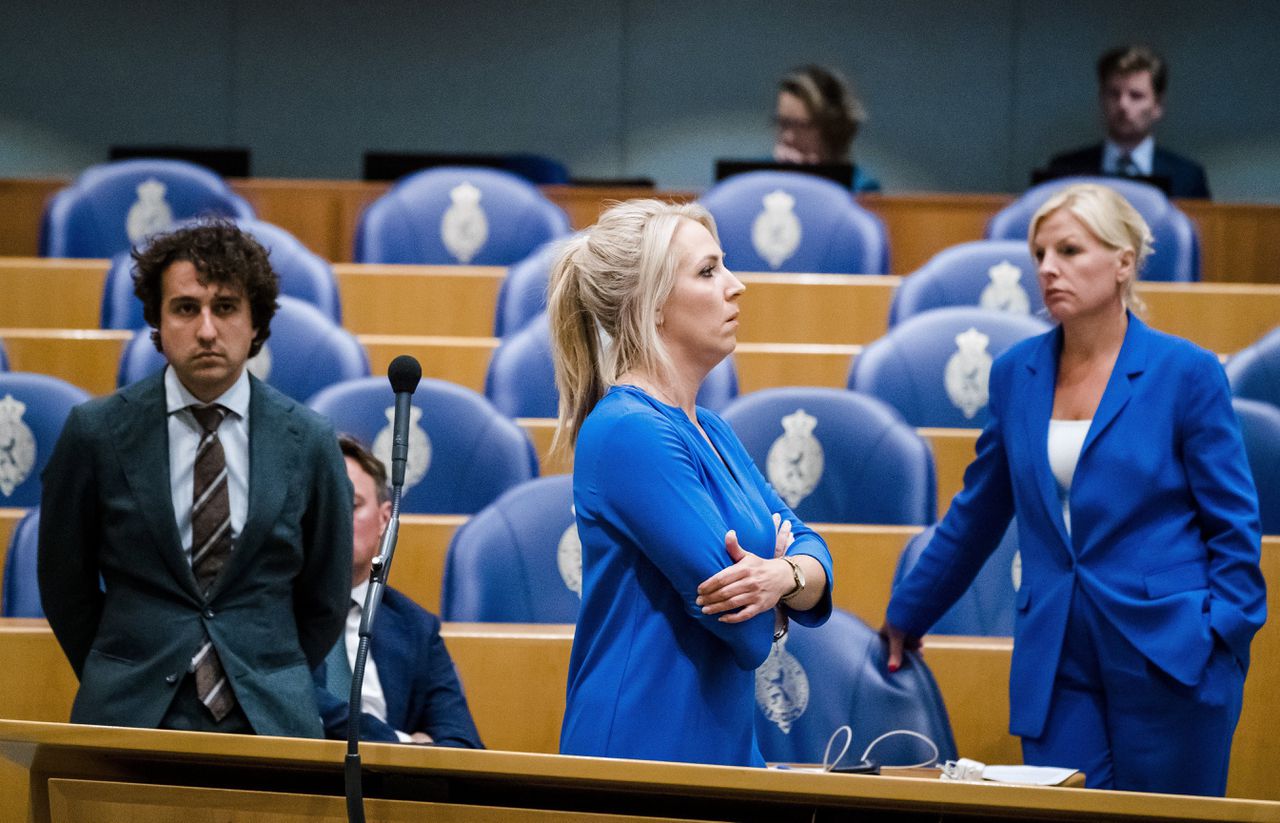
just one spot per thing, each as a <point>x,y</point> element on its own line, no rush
<point>278,606</point>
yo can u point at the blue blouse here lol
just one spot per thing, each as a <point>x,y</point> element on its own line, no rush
<point>650,676</point>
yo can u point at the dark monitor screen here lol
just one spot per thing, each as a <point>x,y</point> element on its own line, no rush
<point>1160,181</point>
<point>839,173</point>
<point>227,162</point>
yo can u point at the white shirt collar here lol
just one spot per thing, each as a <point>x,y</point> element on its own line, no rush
<point>1143,156</point>
<point>360,591</point>
<point>234,399</point>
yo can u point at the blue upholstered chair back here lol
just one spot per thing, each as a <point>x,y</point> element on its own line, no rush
<point>523,293</point>
<point>1176,247</point>
<point>4,358</point>
<point>1254,371</point>
<point>1260,427</point>
<point>33,409</point>
<point>455,214</point>
<point>305,353</point>
<point>21,596</point>
<point>934,367</point>
<point>518,560</point>
<point>521,380</point>
<point>303,275</point>
<point>114,206</point>
<point>992,274</point>
<point>836,456</point>
<point>795,222</point>
<point>986,608</point>
<point>463,453</point>
<point>816,680</point>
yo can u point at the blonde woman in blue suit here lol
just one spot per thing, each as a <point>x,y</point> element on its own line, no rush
<point>1117,449</point>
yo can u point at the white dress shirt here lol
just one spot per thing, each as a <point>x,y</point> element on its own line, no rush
<point>372,700</point>
<point>184,437</point>
<point>1066,441</point>
<point>1143,156</point>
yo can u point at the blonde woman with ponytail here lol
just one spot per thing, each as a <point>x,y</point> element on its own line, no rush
<point>692,564</point>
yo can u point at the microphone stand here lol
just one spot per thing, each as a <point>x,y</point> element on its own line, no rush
<point>373,597</point>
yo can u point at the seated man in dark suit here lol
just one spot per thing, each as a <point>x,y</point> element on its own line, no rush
<point>196,528</point>
<point>411,691</point>
<point>1131,84</point>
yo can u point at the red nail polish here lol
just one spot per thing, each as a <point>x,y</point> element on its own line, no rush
<point>893,667</point>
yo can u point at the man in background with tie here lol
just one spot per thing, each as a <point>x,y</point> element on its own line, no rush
<point>411,692</point>
<point>195,541</point>
<point>1131,85</point>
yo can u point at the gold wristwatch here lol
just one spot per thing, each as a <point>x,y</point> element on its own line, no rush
<point>797,574</point>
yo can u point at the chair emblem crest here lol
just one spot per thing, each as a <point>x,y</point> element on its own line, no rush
<point>569,557</point>
<point>1015,570</point>
<point>260,364</point>
<point>419,446</point>
<point>776,232</point>
<point>1004,292</point>
<point>464,227</point>
<point>17,445</point>
<point>782,687</point>
<point>150,213</point>
<point>795,460</point>
<point>967,372</point>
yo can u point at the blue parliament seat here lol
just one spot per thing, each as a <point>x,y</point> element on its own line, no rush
<point>795,222</point>
<point>112,207</point>
<point>523,293</point>
<point>836,456</point>
<point>21,594</point>
<point>817,680</point>
<point>521,379</point>
<point>986,608</point>
<point>33,409</point>
<point>518,560</point>
<point>305,353</point>
<point>1175,252</point>
<point>934,367</point>
<point>998,275</point>
<point>458,215</point>
<point>1260,428</point>
<point>463,453</point>
<point>303,275</point>
<point>1254,371</point>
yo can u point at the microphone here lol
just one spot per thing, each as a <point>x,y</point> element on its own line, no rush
<point>404,374</point>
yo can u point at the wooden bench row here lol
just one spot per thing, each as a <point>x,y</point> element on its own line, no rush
<point>1240,242</point>
<point>515,675</point>
<point>460,301</point>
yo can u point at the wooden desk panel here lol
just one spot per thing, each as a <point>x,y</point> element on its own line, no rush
<point>1239,242</point>
<point>1221,317</point>
<point>51,293</point>
<point>921,225</point>
<point>421,300</point>
<point>461,360</point>
<point>815,308</point>
<point>767,365</point>
<point>953,451</point>
<point>89,359</point>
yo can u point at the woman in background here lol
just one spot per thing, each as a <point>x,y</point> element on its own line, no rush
<point>817,117</point>
<point>691,562</point>
<point>1117,449</point>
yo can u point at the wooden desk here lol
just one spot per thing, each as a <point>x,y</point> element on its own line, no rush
<point>88,358</point>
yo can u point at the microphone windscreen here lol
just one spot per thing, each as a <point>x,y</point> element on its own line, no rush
<point>404,374</point>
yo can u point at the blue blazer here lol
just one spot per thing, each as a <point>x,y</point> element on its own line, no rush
<point>418,681</point>
<point>1186,177</point>
<point>1165,530</point>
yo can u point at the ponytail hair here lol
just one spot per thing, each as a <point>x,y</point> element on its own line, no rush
<point>603,298</point>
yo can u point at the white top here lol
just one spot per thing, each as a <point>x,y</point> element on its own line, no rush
<point>184,437</point>
<point>372,700</point>
<point>1143,156</point>
<point>1066,441</point>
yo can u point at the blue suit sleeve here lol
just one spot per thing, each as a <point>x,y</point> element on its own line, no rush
<point>442,710</point>
<point>968,534</point>
<point>1227,506</point>
<point>654,494</point>
<point>334,712</point>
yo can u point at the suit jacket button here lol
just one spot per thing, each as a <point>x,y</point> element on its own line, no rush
<point>171,679</point>
<point>208,613</point>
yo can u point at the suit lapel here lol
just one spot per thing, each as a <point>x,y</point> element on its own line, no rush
<point>142,444</point>
<point>1130,363</point>
<point>273,456</point>
<point>1036,411</point>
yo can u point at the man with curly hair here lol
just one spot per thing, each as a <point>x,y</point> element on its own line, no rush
<point>195,548</point>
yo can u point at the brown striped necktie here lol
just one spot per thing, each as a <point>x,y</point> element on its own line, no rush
<point>210,548</point>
